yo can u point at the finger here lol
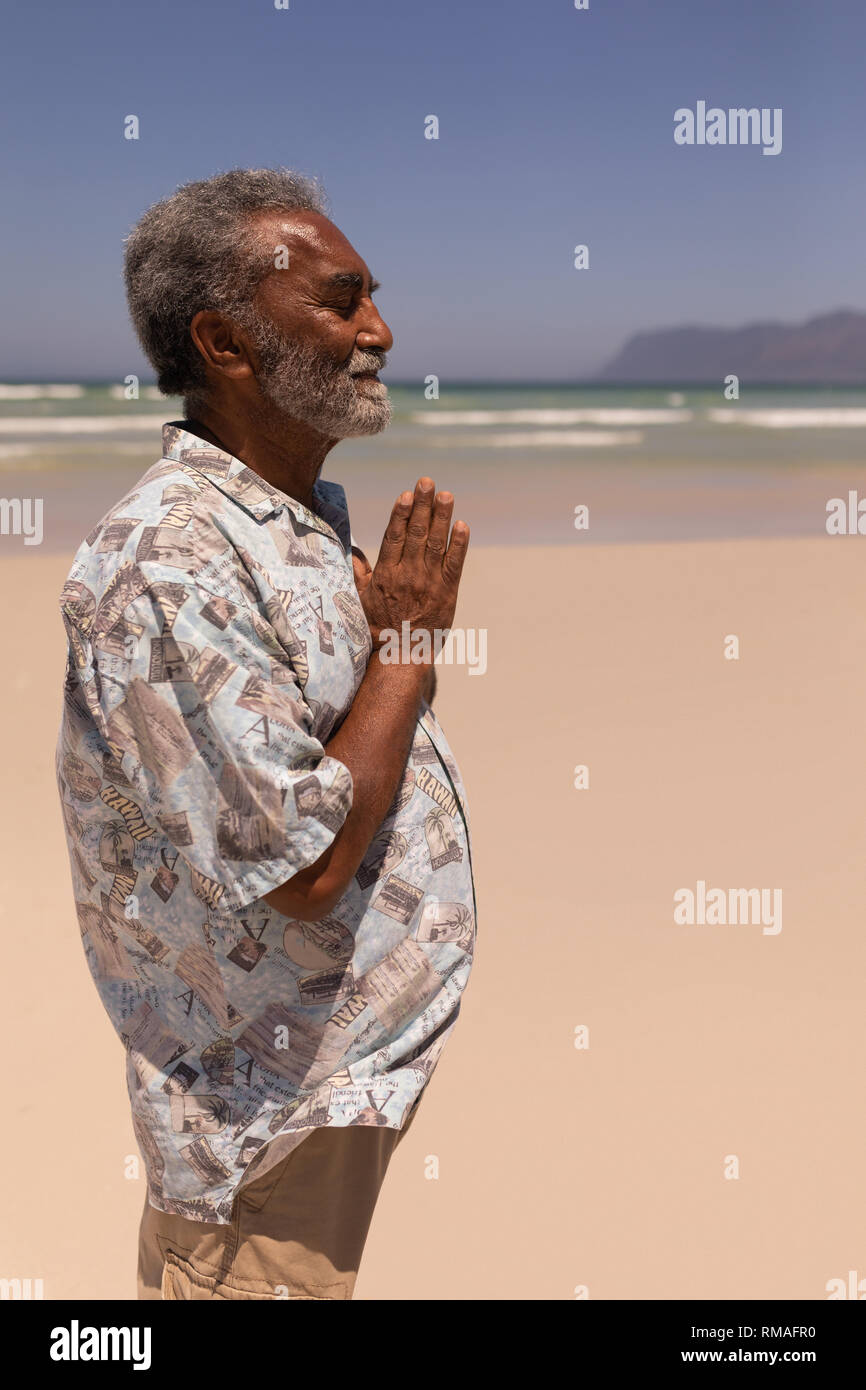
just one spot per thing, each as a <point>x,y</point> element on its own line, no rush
<point>455,555</point>
<point>361,567</point>
<point>362,574</point>
<point>437,536</point>
<point>418,526</point>
<point>359,559</point>
<point>391,548</point>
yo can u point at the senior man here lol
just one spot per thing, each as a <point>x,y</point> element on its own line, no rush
<point>267,830</point>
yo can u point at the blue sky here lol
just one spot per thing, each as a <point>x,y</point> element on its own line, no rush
<point>556,128</point>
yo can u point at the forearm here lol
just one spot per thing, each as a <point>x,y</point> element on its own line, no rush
<point>373,743</point>
<point>415,581</point>
<point>429,689</point>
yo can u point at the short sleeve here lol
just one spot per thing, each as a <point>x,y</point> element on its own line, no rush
<point>202,709</point>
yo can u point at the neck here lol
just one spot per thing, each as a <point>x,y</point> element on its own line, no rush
<point>286,453</point>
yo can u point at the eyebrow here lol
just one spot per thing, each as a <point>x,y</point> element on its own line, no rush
<point>351,280</point>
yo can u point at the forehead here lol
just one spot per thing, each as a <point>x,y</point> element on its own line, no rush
<point>315,245</point>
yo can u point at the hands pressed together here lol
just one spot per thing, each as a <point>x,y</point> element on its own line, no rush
<point>417,574</point>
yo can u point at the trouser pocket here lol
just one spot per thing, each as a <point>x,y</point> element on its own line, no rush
<point>181,1280</point>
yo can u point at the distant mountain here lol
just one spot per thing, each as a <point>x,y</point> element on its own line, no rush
<point>831,349</point>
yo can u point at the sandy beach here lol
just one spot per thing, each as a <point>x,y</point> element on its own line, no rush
<point>560,1167</point>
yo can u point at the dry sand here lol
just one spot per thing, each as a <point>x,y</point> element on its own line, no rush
<point>558,1167</point>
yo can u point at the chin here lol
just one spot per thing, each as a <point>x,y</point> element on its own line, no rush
<point>372,424</point>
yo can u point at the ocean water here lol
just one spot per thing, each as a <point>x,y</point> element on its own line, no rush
<point>649,463</point>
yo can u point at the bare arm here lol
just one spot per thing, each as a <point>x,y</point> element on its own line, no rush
<point>429,690</point>
<point>415,579</point>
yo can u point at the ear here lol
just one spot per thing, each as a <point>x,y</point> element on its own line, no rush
<point>221,343</point>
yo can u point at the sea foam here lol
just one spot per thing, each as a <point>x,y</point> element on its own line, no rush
<point>584,416</point>
<point>555,439</point>
<point>79,424</point>
<point>39,392</point>
<point>848,417</point>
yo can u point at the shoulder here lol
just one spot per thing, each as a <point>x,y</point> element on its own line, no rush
<point>170,525</point>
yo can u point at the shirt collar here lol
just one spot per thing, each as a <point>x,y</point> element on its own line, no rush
<point>249,490</point>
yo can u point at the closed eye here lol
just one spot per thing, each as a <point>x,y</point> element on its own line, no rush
<point>347,309</point>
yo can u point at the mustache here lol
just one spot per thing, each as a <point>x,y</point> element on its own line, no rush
<point>369,360</point>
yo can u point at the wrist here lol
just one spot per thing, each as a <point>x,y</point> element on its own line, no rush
<point>395,669</point>
<point>408,645</point>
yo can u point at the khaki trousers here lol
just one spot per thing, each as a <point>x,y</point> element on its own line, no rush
<point>297,1232</point>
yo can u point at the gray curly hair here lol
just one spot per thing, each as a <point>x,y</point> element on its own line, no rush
<point>196,250</point>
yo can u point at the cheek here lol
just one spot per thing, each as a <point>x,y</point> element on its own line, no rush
<point>334,336</point>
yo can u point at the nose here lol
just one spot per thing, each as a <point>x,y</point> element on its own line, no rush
<point>375,332</point>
